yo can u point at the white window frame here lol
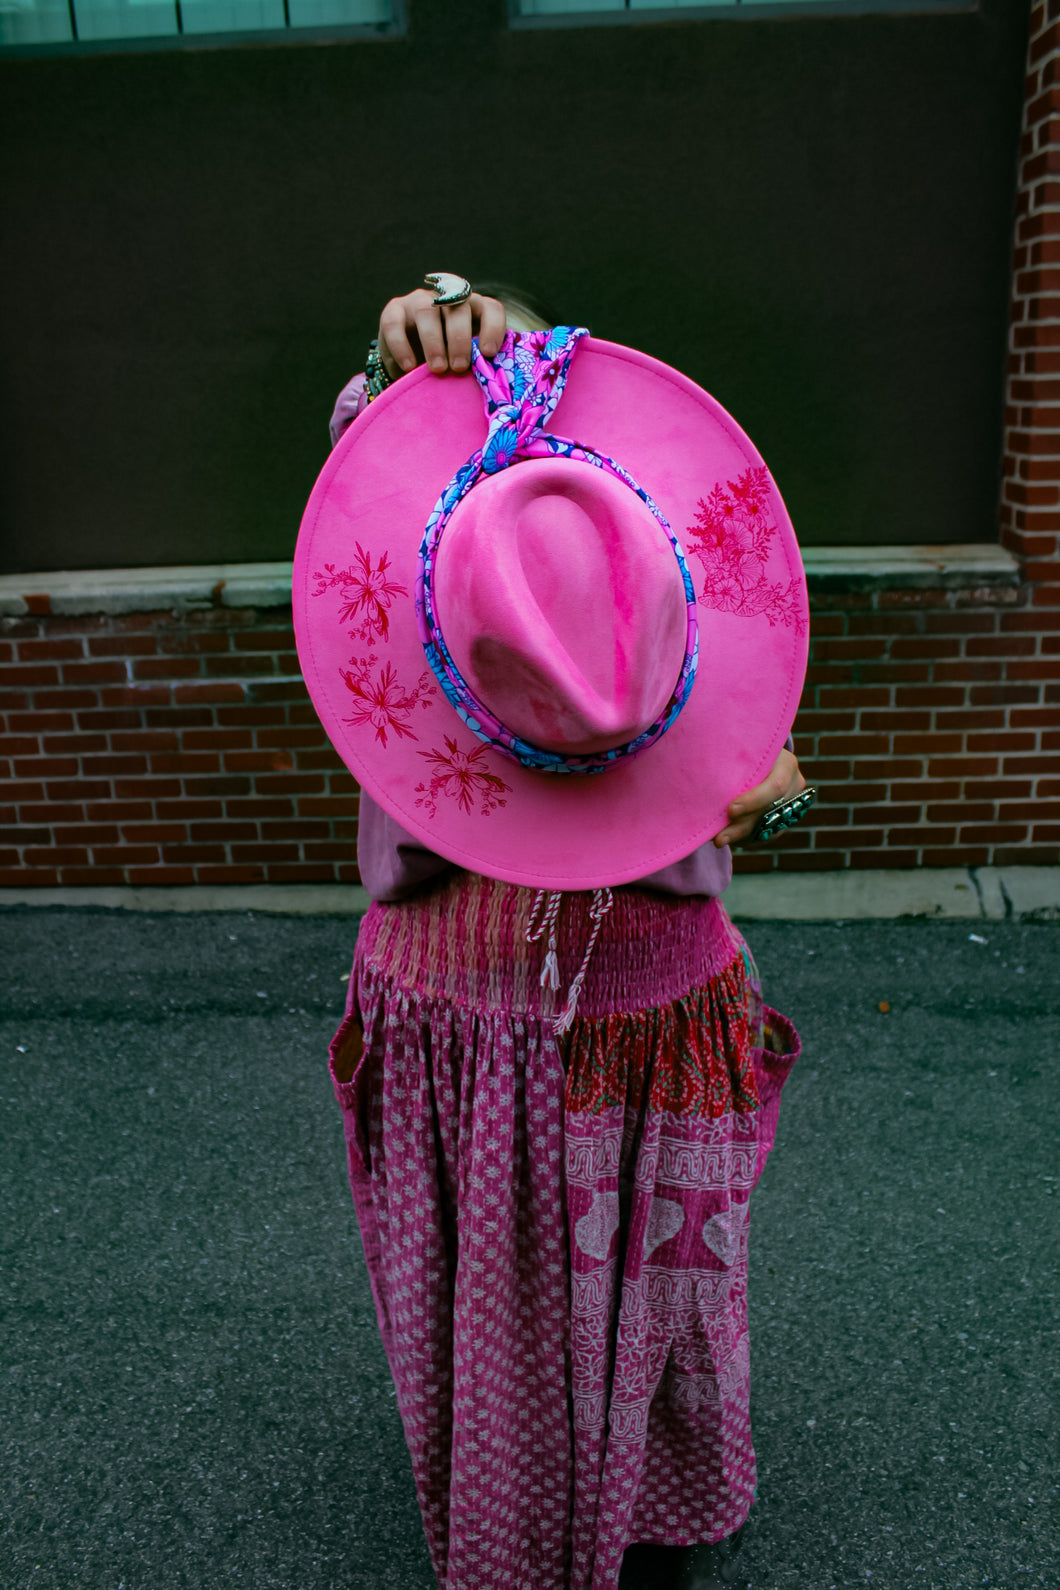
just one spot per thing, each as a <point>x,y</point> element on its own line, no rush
<point>312,33</point>
<point>623,15</point>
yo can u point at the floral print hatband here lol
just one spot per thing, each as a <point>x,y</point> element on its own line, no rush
<point>521,386</point>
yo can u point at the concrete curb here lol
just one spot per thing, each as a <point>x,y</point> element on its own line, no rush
<point>992,894</point>
<point>277,899</point>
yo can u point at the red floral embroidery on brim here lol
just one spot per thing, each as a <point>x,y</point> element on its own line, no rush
<point>367,594</point>
<point>459,775</point>
<point>732,538</point>
<point>382,701</point>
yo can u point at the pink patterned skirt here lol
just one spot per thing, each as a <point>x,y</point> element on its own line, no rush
<point>556,1229</point>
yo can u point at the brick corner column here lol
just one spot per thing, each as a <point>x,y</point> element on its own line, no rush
<point>1030,493</point>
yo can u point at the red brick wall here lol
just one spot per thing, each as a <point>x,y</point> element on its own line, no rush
<point>931,723</point>
<point>155,748</point>
<point>151,748</point>
<point>932,718</point>
<point>170,749</point>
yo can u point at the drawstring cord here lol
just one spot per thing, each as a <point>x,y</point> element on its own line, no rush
<point>602,902</point>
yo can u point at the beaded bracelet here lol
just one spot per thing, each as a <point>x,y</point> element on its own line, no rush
<point>376,379</point>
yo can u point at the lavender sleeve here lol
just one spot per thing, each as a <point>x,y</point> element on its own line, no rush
<point>394,864</point>
<point>351,401</point>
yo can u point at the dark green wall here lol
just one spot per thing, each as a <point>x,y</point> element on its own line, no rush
<point>811,216</point>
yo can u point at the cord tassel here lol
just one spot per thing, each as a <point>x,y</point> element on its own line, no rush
<point>603,900</point>
<point>565,1020</point>
<point>550,968</point>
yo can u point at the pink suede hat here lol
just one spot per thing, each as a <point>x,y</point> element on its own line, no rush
<point>555,662</point>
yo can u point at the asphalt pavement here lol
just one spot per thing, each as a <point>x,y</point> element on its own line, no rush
<point>194,1391</point>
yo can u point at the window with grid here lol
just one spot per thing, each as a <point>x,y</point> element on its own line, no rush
<point>641,10</point>
<point>71,22</point>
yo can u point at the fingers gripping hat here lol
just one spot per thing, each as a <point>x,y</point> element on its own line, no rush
<point>556,662</point>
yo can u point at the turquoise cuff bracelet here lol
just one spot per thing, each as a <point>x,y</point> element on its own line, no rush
<point>784,813</point>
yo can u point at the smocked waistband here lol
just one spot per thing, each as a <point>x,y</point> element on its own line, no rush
<point>465,941</point>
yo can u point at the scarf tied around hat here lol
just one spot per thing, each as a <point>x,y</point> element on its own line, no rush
<point>521,387</point>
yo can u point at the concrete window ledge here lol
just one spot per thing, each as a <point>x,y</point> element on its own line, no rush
<point>962,566</point>
<point>985,894</point>
<point>967,565</point>
<point>68,592</point>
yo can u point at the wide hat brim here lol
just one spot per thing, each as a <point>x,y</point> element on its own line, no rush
<point>354,583</point>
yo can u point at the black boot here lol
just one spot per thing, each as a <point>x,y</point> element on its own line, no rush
<point>709,1567</point>
<point>646,1567</point>
<point>716,1567</point>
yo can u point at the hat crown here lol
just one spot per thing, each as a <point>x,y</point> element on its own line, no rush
<point>562,605</point>
<point>521,388</point>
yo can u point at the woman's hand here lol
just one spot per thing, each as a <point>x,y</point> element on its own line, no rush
<point>784,781</point>
<point>412,331</point>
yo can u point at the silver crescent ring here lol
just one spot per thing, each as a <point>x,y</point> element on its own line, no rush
<point>450,289</point>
